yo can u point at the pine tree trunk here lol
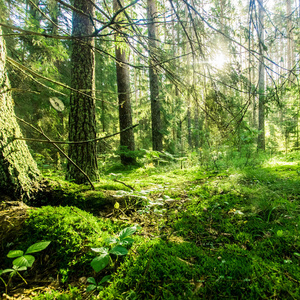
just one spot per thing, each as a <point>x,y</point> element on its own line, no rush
<point>157,136</point>
<point>261,80</point>
<point>125,116</point>
<point>290,40</point>
<point>19,175</point>
<point>82,123</point>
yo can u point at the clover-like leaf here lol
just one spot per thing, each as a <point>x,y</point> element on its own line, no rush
<point>15,253</point>
<point>91,280</point>
<point>101,250</point>
<point>100,262</point>
<point>105,279</point>
<point>127,231</point>
<point>24,261</point>
<point>16,268</point>
<point>126,241</point>
<point>111,240</point>
<point>37,247</point>
<point>118,250</point>
<point>91,287</point>
<point>6,271</point>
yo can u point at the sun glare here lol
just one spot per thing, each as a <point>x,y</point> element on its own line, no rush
<point>218,61</point>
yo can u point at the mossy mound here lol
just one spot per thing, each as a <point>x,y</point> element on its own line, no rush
<point>72,233</point>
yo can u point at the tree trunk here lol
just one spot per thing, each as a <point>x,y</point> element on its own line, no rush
<point>82,123</point>
<point>19,175</point>
<point>125,116</point>
<point>189,122</point>
<point>157,136</point>
<point>261,80</point>
<point>290,41</point>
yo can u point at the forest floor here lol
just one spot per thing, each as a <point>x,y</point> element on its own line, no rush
<point>230,232</point>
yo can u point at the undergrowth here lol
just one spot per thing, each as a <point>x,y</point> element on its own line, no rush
<point>207,232</point>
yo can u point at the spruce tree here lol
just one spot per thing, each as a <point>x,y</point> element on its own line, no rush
<point>19,175</point>
<point>82,122</point>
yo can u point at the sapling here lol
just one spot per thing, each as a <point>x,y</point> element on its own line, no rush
<point>96,286</point>
<point>22,261</point>
<point>101,261</point>
<point>117,248</point>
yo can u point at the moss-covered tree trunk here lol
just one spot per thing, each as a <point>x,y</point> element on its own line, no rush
<point>19,175</point>
<point>82,123</point>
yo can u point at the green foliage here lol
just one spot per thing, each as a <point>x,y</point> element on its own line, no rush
<point>234,236</point>
<point>22,260</point>
<point>72,294</point>
<point>97,286</point>
<point>64,193</point>
<point>118,248</point>
<point>25,260</point>
<point>123,150</point>
<point>230,232</point>
<point>72,232</point>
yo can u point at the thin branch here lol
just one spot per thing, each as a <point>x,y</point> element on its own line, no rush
<point>181,23</point>
<point>77,10</point>
<point>253,52</point>
<point>75,142</point>
<point>20,66</point>
<point>112,20</point>
<point>28,32</point>
<point>127,185</point>
<point>45,16</point>
<point>60,150</point>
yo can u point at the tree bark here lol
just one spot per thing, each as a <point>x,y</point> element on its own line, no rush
<point>82,123</point>
<point>125,116</point>
<point>290,41</point>
<point>19,175</point>
<point>261,79</point>
<point>157,136</point>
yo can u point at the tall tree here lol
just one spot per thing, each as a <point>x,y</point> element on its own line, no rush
<point>261,78</point>
<point>19,175</point>
<point>157,136</point>
<point>123,83</point>
<point>82,123</point>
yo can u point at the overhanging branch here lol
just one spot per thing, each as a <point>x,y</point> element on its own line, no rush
<point>71,142</point>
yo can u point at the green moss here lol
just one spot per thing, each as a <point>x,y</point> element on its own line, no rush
<point>221,235</point>
<point>71,231</point>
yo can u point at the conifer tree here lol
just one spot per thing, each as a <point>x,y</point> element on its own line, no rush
<point>261,78</point>
<point>82,123</point>
<point>19,175</point>
<point>157,136</point>
<point>125,115</point>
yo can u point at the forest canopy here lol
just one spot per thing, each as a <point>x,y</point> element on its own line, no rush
<point>222,73</point>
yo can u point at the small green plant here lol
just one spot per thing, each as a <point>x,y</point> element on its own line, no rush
<point>22,261</point>
<point>96,286</point>
<point>117,248</point>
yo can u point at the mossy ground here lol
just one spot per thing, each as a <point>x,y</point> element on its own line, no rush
<point>207,233</point>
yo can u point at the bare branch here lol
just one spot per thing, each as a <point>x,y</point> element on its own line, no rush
<point>60,150</point>
<point>76,142</point>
